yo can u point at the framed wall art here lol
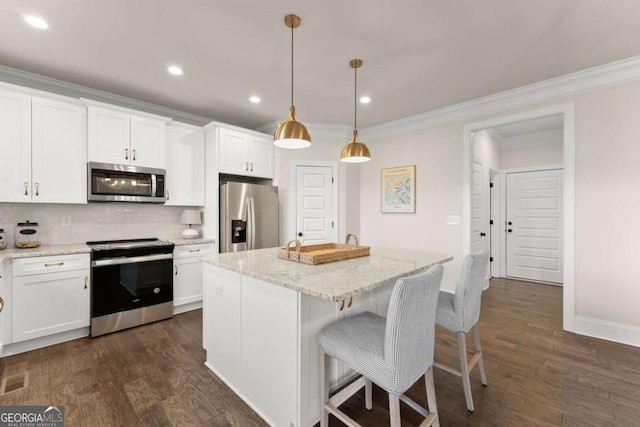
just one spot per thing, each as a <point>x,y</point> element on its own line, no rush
<point>399,190</point>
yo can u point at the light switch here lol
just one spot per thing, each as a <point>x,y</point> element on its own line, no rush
<point>218,290</point>
<point>453,220</point>
<point>66,221</point>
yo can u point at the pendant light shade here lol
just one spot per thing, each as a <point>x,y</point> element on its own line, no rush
<point>291,133</point>
<point>355,151</point>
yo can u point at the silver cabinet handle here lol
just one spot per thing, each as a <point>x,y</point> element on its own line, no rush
<point>246,166</point>
<point>126,154</point>
<point>251,169</point>
<point>176,267</point>
<point>134,154</point>
<point>194,250</point>
<point>1,304</point>
<point>168,195</point>
<point>85,281</point>
<point>37,188</point>
<point>26,187</point>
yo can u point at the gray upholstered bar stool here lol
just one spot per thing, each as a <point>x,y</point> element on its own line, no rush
<point>460,313</point>
<point>392,352</point>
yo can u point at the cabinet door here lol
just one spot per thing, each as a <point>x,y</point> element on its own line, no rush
<point>15,146</point>
<point>3,283</point>
<point>187,281</point>
<point>148,142</point>
<point>46,304</point>
<point>221,324</point>
<point>58,152</point>
<point>261,154</point>
<point>185,166</point>
<point>109,136</point>
<point>233,148</point>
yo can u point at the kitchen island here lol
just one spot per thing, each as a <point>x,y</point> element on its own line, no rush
<point>262,316</point>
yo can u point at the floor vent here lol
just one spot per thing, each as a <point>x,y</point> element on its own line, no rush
<point>14,382</point>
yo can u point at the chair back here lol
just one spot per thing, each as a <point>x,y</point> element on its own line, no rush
<point>469,289</point>
<point>410,327</point>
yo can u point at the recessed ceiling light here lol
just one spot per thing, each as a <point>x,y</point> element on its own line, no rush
<point>175,70</point>
<point>365,100</point>
<point>255,99</point>
<point>37,22</point>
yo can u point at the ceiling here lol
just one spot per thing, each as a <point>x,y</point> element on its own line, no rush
<point>419,55</point>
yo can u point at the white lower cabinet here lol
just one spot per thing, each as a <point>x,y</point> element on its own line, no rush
<point>262,340</point>
<point>50,295</point>
<point>3,283</point>
<point>187,276</point>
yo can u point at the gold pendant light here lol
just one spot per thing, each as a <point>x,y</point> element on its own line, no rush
<point>291,133</point>
<point>355,151</point>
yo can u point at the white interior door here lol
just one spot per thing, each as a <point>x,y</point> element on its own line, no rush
<point>534,225</point>
<point>479,207</point>
<point>314,205</point>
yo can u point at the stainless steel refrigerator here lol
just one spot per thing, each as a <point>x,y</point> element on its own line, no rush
<point>248,216</point>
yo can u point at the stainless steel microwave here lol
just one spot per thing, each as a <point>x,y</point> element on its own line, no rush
<point>122,183</point>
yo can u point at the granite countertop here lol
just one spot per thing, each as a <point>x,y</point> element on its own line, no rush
<point>333,281</point>
<point>79,249</point>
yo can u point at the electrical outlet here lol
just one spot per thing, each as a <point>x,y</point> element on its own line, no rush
<point>66,221</point>
<point>218,290</point>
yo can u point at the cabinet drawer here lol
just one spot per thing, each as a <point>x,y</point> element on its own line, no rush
<point>192,250</point>
<point>49,264</point>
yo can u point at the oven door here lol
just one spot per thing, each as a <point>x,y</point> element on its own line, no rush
<point>122,284</point>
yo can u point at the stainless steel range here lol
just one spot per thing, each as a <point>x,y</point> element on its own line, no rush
<point>131,283</point>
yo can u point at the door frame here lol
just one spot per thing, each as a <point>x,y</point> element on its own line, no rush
<point>294,190</point>
<point>569,196</point>
<point>503,210</point>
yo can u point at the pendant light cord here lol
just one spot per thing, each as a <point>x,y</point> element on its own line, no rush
<point>292,64</point>
<point>355,98</point>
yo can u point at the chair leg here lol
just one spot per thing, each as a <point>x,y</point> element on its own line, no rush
<point>431,396</point>
<point>394,410</point>
<point>464,370</point>
<point>368,401</point>
<point>324,389</point>
<point>476,342</point>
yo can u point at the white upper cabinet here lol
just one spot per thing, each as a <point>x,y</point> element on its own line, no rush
<point>58,152</point>
<point>43,143</point>
<point>15,146</point>
<point>185,165</point>
<point>245,153</point>
<point>120,137</point>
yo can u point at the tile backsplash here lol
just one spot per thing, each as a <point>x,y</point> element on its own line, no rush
<point>95,221</point>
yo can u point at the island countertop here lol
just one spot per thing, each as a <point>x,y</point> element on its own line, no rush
<point>333,281</point>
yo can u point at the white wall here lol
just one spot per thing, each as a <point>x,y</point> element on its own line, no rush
<point>437,155</point>
<point>607,201</point>
<point>531,155</point>
<point>486,149</point>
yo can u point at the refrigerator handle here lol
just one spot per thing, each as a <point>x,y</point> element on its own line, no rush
<point>253,223</point>
<point>249,223</point>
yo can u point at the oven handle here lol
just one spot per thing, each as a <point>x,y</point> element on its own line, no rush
<point>131,260</point>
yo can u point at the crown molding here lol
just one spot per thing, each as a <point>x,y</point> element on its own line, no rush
<point>317,130</point>
<point>601,76</point>
<point>50,85</point>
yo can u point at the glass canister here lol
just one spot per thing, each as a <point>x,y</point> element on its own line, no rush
<point>27,235</point>
<point>3,239</point>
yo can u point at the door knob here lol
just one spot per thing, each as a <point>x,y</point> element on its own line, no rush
<point>300,234</point>
<point>509,230</point>
<point>482,234</point>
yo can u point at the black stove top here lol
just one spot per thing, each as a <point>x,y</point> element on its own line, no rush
<point>105,245</point>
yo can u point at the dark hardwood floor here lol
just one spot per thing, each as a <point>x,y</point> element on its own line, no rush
<point>538,375</point>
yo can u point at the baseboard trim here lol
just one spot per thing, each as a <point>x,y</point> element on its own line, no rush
<point>605,330</point>
<point>36,343</point>
<point>187,307</point>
